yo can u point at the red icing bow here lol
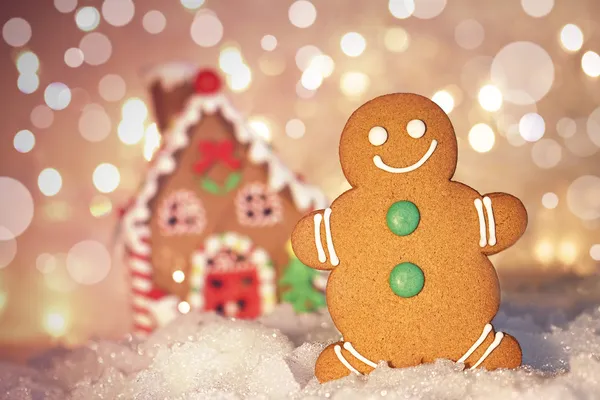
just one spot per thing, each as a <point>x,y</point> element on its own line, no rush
<point>216,151</point>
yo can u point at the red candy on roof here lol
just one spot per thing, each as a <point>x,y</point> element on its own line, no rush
<point>207,82</point>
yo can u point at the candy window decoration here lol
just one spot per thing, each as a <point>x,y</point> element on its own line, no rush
<point>232,278</point>
<point>182,213</point>
<point>257,206</point>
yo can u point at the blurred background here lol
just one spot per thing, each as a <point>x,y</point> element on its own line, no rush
<point>519,79</point>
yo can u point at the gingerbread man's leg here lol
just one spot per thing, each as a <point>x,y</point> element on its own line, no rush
<point>502,221</point>
<point>339,360</point>
<point>493,350</point>
<point>312,240</point>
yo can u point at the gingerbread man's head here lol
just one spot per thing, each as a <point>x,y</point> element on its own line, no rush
<point>396,139</point>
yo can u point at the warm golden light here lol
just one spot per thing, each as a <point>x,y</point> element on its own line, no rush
<point>151,141</point>
<point>130,131</point>
<point>354,83</point>
<point>178,276</point>
<point>184,307</point>
<point>106,178</point>
<point>445,100</point>
<point>311,78</point>
<point>396,40</point>
<point>544,251</point>
<point>590,63</point>
<point>55,323</point>
<point>261,127</point>
<point>481,138</point>
<point>230,59</point>
<point>100,206</point>
<point>567,252</point>
<point>135,110</point>
<point>490,98</point>
<point>353,44</point>
<point>571,37</point>
<point>240,79</point>
<point>49,182</point>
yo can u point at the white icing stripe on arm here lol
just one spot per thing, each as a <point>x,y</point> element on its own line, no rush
<point>492,223</point>
<point>332,255</point>
<point>482,237</point>
<point>338,353</point>
<point>348,346</point>
<point>320,251</point>
<point>486,330</point>
<point>495,343</point>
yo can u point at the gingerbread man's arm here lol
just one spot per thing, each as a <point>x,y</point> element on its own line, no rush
<point>502,221</point>
<point>312,241</point>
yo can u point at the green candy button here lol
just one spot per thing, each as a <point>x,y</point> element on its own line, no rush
<point>406,280</point>
<point>403,218</point>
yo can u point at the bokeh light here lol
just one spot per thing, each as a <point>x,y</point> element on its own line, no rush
<point>106,178</point>
<point>469,34</point>
<point>241,79</point>
<point>583,197</point>
<point>295,128</point>
<point>57,96</point>
<point>546,153</point>
<point>305,55</point>
<point>112,87</point>
<point>445,100</point>
<point>28,83</point>
<point>550,200</point>
<point>151,141</point>
<point>184,307</point>
<point>88,262</point>
<point>311,78</point>
<point>571,37</point>
<point>401,9</point>
<point>353,44</point>
<point>46,263</point>
<point>74,57</point>
<point>427,9</point>
<point>96,48</point>
<point>87,18</point>
<point>65,6</point>
<point>566,127</point>
<point>192,4</point>
<point>16,32</point>
<point>42,117</point>
<point>100,206</point>
<point>8,249</point>
<point>118,12</point>
<point>593,126</point>
<point>323,64</point>
<point>206,30</point>
<point>581,144</point>
<point>354,83</point>
<point>490,98</point>
<point>134,109</point>
<point>130,132</point>
<point>595,252</point>
<point>523,71</point>
<point>154,22</point>
<point>94,123</point>
<point>481,138</point>
<point>49,182</point>
<point>537,8</point>
<point>230,60</point>
<point>28,63</point>
<point>532,127</point>
<point>544,251</point>
<point>302,13</point>
<point>55,323</point>
<point>567,252</point>
<point>178,276</point>
<point>16,208</point>
<point>590,63</point>
<point>24,141</point>
<point>268,42</point>
<point>396,39</point>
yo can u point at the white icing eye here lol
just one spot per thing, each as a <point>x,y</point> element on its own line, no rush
<point>378,135</point>
<point>416,128</point>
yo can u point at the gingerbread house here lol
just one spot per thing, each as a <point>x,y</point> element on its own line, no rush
<point>210,225</point>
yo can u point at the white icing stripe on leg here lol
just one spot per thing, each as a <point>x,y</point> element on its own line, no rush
<point>486,330</point>
<point>491,222</point>
<point>338,353</point>
<point>495,343</point>
<point>334,258</point>
<point>482,237</point>
<point>320,251</point>
<point>348,346</point>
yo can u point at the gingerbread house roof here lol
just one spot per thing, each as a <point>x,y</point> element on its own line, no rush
<point>208,99</point>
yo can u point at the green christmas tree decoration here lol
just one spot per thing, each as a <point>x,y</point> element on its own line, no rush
<point>301,292</point>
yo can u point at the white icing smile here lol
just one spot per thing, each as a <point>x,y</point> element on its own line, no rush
<point>381,165</point>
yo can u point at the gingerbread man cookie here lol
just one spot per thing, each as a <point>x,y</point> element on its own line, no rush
<point>408,247</point>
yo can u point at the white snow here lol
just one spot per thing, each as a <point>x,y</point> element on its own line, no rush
<point>202,356</point>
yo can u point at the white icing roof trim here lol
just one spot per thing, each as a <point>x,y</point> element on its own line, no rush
<point>176,138</point>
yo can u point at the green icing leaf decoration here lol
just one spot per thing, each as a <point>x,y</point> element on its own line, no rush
<point>210,186</point>
<point>232,181</point>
